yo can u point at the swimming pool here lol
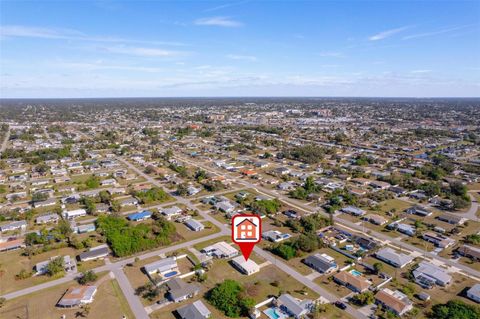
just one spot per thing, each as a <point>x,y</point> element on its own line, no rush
<point>275,313</point>
<point>356,273</point>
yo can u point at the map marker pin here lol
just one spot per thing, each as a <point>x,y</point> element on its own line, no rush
<point>246,232</point>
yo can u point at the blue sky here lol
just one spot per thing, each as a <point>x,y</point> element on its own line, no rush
<point>239,48</point>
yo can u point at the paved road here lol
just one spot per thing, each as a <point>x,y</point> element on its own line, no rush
<point>135,304</point>
<point>3,147</point>
<point>301,206</point>
<point>267,256</point>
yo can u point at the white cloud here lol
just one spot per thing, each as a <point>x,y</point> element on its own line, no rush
<point>422,71</point>
<point>19,31</point>
<point>227,5</point>
<point>144,52</point>
<point>242,57</point>
<point>38,32</point>
<point>331,54</point>
<point>433,33</point>
<point>219,22</point>
<point>386,34</point>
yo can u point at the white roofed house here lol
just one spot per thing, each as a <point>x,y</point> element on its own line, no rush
<point>15,225</point>
<point>171,212</point>
<point>248,267</point>
<point>428,275</point>
<point>48,218</point>
<point>352,210</point>
<point>194,225</point>
<point>294,307</point>
<point>220,250</point>
<point>225,206</point>
<point>195,310</point>
<point>129,202</point>
<point>166,268</point>
<point>77,296</point>
<point>68,264</point>
<point>438,240</point>
<point>72,214</point>
<point>419,210</point>
<point>393,258</point>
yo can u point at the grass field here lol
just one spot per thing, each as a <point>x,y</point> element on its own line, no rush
<point>13,262</point>
<point>109,302</point>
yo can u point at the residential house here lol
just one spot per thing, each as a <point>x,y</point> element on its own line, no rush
<point>322,263</point>
<point>140,216</point>
<point>438,240</point>
<point>275,236</point>
<point>351,281</point>
<point>393,258</point>
<point>194,225</point>
<point>46,219</point>
<point>220,250</point>
<point>166,268</point>
<point>77,296</point>
<point>376,219</point>
<point>395,301</point>
<point>15,225</point>
<point>68,264</point>
<point>247,267</point>
<point>179,290</point>
<point>452,219</point>
<point>225,206</point>
<point>94,253</point>
<point>418,210</point>
<point>469,252</point>
<point>379,185</point>
<point>294,307</point>
<point>87,228</point>
<point>352,210</point>
<point>131,201</point>
<point>12,244</point>
<point>195,310</point>
<point>474,293</point>
<point>72,214</point>
<point>428,275</point>
<point>172,212</point>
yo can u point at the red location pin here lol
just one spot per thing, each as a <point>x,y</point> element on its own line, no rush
<point>246,232</point>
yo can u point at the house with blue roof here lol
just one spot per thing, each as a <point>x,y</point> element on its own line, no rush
<point>140,216</point>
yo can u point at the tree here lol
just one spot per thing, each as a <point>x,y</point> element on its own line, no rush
<point>182,189</point>
<point>89,205</point>
<point>454,309</point>
<point>228,297</point>
<point>364,298</point>
<point>55,266</point>
<point>104,196</point>
<point>200,175</point>
<point>116,206</point>
<point>2,301</point>
<point>87,277</point>
<point>92,182</point>
<point>378,267</point>
<point>285,250</point>
<point>64,228</point>
<point>38,197</point>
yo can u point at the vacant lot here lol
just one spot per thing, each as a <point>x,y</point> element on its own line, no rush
<point>109,303</point>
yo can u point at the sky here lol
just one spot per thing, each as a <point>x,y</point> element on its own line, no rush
<point>106,48</point>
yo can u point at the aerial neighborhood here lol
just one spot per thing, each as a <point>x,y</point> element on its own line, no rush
<point>109,211</point>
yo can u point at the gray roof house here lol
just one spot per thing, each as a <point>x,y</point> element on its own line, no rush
<point>179,290</point>
<point>294,307</point>
<point>194,225</point>
<point>94,253</point>
<point>428,275</point>
<point>352,210</point>
<point>20,224</point>
<point>474,293</point>
<point>321,263</point>
<point>393,258</point>
<point>196,310</point>
<point>49,218</point>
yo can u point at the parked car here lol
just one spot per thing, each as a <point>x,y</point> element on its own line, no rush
<point>340,305</point>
